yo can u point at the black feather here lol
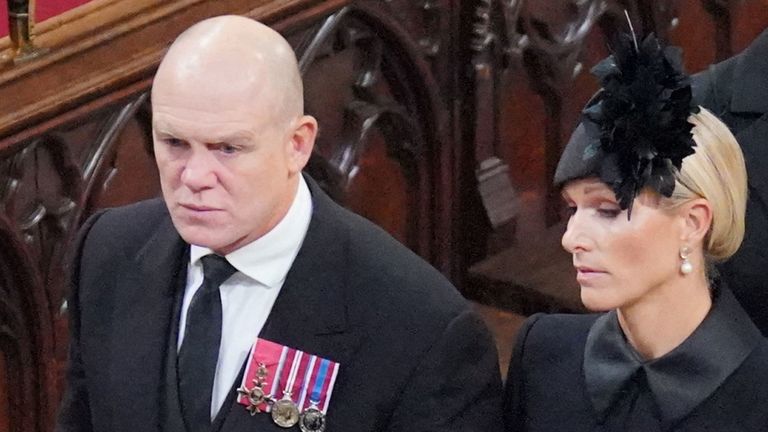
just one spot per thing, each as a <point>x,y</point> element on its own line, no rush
<point>642,114</point>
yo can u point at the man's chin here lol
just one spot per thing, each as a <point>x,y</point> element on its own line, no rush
<point>204,237</point>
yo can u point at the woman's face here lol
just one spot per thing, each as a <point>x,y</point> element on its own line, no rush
<point>619,261</point>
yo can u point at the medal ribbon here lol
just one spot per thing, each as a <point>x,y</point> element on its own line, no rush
<point>278,372</point>
<point>314,398</point>
<point>312,387</point>
<point>326,395</point>
<point>307,379</point>
<point>318,394</point>
<point>264,352</point>
<point>274,387</point>
<point>287,393</point>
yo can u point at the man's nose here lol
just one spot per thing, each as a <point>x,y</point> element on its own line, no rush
<point>575,238</point>
<point>199,172</point>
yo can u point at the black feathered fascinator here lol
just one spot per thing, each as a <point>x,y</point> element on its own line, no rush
<point>634,132</point>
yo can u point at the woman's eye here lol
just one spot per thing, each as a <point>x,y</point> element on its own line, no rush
<point>609,212</point>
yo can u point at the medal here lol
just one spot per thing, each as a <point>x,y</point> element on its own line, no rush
<point>306,381</point>
<point>255,395</point>
<point>312,419</point>
<point>285,413</point>
<point>260,396</point>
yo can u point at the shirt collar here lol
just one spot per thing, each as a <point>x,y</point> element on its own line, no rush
<point>683,378</point>
<point>268,258</point>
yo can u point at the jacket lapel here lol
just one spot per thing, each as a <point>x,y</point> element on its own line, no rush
<point>140,340</point>
<point>310,313</point>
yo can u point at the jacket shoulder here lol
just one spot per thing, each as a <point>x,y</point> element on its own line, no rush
<point>379,270</point>
<point>713,87</point>
<point>553,341</point>
<point>401,276</point>
<point>122,230</point>
<point>738,403</point>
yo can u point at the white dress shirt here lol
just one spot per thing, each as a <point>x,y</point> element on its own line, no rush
<point>247,297</point>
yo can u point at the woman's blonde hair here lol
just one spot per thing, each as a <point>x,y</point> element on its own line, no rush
<point>717,173</point>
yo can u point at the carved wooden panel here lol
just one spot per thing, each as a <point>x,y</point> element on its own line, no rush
<point>380,139</point>
<point>48,186</point>
<point>440,120</point>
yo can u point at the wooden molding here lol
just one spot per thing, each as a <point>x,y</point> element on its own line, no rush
<point>110,44</point>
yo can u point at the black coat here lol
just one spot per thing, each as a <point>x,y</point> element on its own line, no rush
<point>736,90</point>
<point>413,355</point>
<point>577,373</point>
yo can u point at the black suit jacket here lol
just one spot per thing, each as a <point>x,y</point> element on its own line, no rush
<point>413,356</point>
<point>736,90</point>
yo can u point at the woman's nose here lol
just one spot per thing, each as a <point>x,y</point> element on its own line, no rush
<point>575,238</point>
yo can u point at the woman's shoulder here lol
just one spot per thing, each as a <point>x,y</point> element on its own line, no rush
<point>543,327</point>
<point>738,403</point>
<point>553,337</point>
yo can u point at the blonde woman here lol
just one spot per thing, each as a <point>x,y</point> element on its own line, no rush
<point>657,192</point>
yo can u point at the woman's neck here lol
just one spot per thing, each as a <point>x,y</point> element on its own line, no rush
<point>665,317</point>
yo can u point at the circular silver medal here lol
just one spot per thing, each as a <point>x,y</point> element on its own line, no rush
<point>312,420</point>
<point>285,413</point>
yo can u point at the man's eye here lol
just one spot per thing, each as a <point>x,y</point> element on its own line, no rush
<point>174,142</point>
<point>224,148</point>
<point>228,149</point>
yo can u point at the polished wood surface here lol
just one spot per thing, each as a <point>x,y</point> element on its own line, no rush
<point>441,120</point>
<point>40,11</point>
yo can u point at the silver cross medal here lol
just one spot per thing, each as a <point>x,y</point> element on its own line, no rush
<point>256,394</point>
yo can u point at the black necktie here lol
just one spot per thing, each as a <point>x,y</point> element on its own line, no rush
<point>199,351</point>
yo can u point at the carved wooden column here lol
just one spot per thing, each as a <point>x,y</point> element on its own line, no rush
<point>383,133</point>
<point>48,184</point>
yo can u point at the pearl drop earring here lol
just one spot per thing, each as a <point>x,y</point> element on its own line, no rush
<point>685,267</point>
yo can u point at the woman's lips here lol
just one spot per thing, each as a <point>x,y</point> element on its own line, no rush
<point>585,275</point>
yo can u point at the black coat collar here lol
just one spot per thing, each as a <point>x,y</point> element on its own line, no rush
<point>680,380</point>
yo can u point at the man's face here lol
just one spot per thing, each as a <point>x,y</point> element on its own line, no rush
<point>225,164</point>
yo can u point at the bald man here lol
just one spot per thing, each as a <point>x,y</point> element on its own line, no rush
<point>245,299</point>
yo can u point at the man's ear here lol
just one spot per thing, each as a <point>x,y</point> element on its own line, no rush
<point>301,142</point>
<point>697,218</point>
